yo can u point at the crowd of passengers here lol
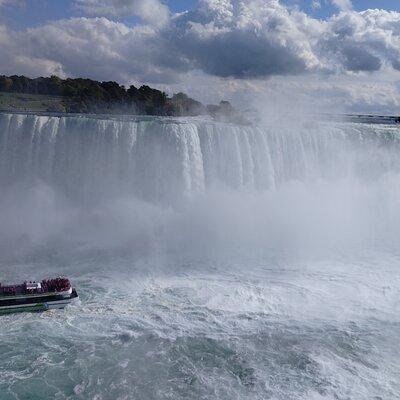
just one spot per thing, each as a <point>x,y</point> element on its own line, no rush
<point>47,285</point>
<point>56,285</point>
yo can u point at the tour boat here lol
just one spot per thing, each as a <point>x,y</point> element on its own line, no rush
<point>36,296</point>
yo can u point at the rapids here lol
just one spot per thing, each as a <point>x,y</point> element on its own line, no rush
<point>214,261</point>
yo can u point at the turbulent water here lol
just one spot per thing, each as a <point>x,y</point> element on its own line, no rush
<point>213,261</point>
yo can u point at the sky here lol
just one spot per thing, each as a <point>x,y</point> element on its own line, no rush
<point>339,55</point>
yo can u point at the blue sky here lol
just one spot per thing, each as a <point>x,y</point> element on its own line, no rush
<point>36,12</point>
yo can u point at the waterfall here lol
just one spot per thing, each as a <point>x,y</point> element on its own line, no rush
<point>163,159</point>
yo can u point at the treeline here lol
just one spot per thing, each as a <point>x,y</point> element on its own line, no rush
<point>89,96</point>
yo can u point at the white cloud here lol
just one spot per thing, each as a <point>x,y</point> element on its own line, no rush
<point>365,41</point>
<point>343,5</point>
<point>100,49</point>
<point>151,11</point>
<point>254,38</point>
<point>11,3</point>
<point>315,4</point>
<point>240,39</point>
<point>247,38</point>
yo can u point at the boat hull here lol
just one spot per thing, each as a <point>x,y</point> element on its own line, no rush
<point>37,304</point>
